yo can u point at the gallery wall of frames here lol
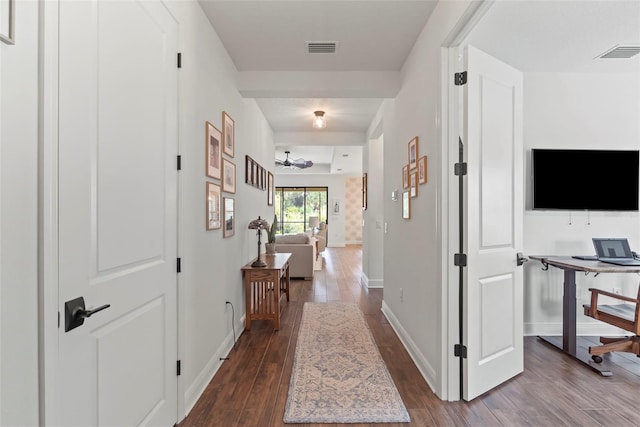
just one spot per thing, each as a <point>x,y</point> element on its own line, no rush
<point>220,146</point>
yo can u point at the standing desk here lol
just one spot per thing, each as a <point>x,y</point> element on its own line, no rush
<point>570,266</point>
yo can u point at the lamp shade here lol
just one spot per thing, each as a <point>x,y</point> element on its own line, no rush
<point>319,121</point>
<point>258,224</point>
<point>313,222</point>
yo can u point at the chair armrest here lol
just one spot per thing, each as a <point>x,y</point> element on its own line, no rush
<point>595,292</point>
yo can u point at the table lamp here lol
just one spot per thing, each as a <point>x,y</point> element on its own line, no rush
<point>313,222</point>
<point>259,224</point>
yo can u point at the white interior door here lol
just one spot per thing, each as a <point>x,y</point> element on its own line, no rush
<point>117,189</point>
<point>493,329</point>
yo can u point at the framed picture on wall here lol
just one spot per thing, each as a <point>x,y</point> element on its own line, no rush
<point>364,191</point>
<point>254,174</point>
<point>413,153</point>
<point>229,176</point>
<point>422,170</point>
<point>270,189</point>
<point>405,176</point>
<point>213,151</point>
<point>413,183</point>
<point>229,217</point>
<point>406,205</point>
<point>247,169</point>
<point>213,206</point>
<point>228,134</point>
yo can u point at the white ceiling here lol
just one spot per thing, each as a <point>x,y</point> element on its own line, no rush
<point>267,36</point>
<point>560,35</point>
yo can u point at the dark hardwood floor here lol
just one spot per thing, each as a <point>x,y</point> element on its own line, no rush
<point>250,389</point>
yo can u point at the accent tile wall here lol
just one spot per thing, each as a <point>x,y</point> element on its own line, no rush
<point>353,210</point>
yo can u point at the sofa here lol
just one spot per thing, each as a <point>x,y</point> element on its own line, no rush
<point>302,248</point>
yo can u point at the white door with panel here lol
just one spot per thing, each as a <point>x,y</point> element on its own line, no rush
<point>117,207</point>
<point>493,290</point>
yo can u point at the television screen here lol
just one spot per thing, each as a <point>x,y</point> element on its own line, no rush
<point>599,180</point>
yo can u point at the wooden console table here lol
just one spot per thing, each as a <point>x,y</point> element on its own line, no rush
<point>567,343</point>
<point>263,288</point>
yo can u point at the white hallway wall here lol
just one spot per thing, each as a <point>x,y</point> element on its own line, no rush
<point>373,216</point>
<point>210,263</point>
<point>336,186</point>
<point>413,248</point>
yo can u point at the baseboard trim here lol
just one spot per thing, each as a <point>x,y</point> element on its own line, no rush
<point>364,280</point>
<point>375,284</point>
<point>423,365</point>
<point>593,329</point>
<point>205,376</point>
<point>371,283</point>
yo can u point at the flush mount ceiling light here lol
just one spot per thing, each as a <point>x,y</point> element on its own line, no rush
<point>319,121</point>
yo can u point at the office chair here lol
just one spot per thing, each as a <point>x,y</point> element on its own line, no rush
<point>623,315</point>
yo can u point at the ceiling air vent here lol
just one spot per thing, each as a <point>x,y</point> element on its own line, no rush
<point>620,51</point>
<point>321,47</point>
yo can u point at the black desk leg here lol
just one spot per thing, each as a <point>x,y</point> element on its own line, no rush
<point>569,339</point>
<point>569,313</point>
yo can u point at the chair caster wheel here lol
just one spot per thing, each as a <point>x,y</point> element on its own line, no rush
<point>597,359</point>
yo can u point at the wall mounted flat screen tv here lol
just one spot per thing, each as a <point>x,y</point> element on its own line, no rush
<point>598,180</point>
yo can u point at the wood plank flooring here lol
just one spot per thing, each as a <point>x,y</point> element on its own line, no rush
<point>250,389</point>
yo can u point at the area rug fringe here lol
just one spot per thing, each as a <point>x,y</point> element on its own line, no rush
<point>338,373</point>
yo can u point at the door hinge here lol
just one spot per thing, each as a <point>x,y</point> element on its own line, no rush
<point>179,266</point>
<point>179,59</point>
<point>460,78</point>
<point>178,368</point>
<point>460,350</point>
<point>179,163</point>
<point>460,260</point>
<point>460,169</point>
<point>58,320</point>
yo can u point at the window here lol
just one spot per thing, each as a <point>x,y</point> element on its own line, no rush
<point>294,206</point>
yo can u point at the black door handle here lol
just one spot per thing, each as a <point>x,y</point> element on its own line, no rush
<point>79,313</point>
<point>75,313</point>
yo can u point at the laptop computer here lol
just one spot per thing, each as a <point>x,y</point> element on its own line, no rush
<point>614,251</point>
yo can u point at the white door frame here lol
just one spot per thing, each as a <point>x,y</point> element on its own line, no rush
<point>48,215</point>
<point>450,112</point>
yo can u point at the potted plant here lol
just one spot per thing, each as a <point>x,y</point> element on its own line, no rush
<point>271,245</point>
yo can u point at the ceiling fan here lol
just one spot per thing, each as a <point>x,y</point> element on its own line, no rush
<point>297,163</point>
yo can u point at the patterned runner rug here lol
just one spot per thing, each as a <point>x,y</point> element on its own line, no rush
<point>338,374</point>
